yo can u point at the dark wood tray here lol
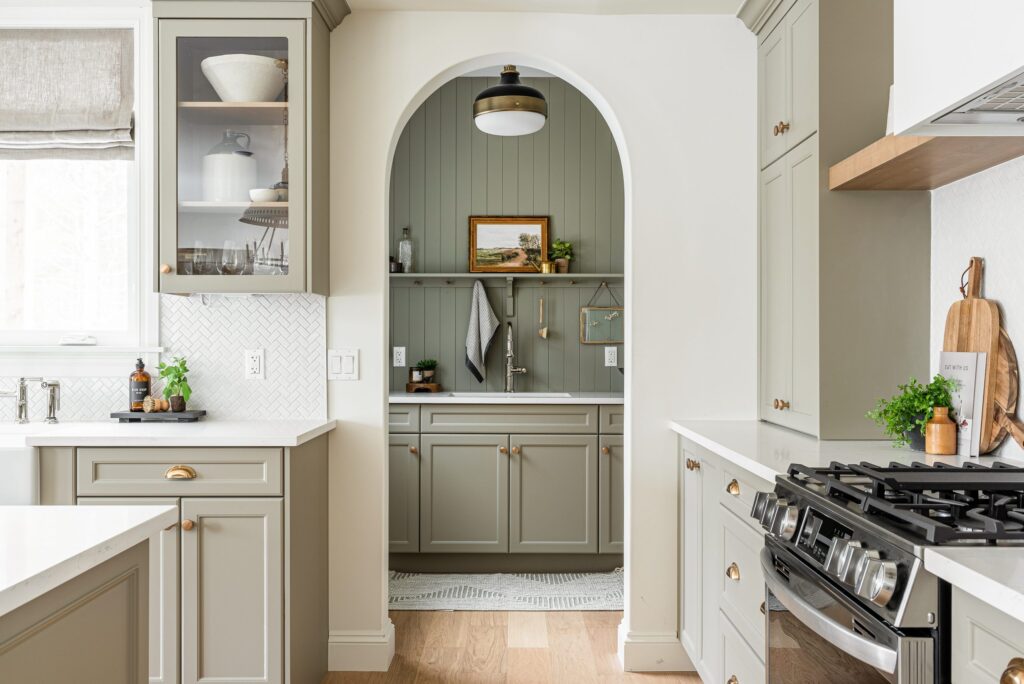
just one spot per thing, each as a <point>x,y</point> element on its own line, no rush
<point>161,417</point>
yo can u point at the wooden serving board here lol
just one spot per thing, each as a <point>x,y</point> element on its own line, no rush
<point>158,417</point>
<point>418,387</point>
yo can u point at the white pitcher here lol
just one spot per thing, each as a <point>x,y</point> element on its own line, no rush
<point>229,169</point>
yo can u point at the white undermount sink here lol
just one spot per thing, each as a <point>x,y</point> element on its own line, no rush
<point>510,395</point>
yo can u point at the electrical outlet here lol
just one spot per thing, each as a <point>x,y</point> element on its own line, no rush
<point>611,357</point>
<point>255,367</point>
<point>398,357</point>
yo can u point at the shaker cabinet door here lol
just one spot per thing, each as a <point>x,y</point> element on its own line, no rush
<point>776,288</point>
<point>611,495</point>
<point>690,549</point>
<point>404,493</point>
<point>773,94</point>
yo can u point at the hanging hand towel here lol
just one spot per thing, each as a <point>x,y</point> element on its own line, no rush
<point>482,326</point>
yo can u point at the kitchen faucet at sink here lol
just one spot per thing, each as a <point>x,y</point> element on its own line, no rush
<point>20,396</point>
<point>511,371</point>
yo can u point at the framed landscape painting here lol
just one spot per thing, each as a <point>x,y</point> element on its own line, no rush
<point>507,244</point>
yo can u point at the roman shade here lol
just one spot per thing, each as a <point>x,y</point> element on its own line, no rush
<point>66,93</point>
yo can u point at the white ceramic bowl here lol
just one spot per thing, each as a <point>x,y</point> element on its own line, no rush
<point>245,78</point>
<point>263,195</point>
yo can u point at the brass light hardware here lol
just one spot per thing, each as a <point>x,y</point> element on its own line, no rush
<point>1014,672</point>
<point>733,572</point>
<point>165,268</point>
<point>733,488</point>
<point>187,525</point>
<point>502,450</point>
<point>780,128</point>
<point>762,608</point>
<point>732,680</point>
<point>605,450</point>
<point>180,472</point>
<point>413,450</point>
<point>515,450</point>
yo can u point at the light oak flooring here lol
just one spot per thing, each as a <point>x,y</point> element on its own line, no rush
<point>562,647</point>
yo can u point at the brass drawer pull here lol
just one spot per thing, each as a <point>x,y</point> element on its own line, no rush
<point>413,450</point>
<point>180,472</point>
<point>502,450</point>
<point>733,488</point>
<point>1014,672</point>
<point>780,128</point>
<point>733,572</point>
<point>515,450</point>
<point>605,450</point>
<point>732,680</point>
<point>692,464</point>
<point>187,525</point>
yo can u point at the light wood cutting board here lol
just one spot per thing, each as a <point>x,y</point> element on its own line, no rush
<point>972,325</point>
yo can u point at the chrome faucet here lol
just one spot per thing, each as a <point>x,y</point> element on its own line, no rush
<point>52,388</point>
<point>20,395</point>
<point>511,371</point>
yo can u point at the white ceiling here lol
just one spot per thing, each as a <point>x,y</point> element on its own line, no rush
<point>557,6</point>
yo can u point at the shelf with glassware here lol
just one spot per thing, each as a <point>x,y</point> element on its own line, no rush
<point>233,107</point>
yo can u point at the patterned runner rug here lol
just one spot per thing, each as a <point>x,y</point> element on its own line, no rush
<point>512,591</point>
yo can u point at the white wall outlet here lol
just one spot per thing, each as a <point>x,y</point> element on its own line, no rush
<point>398,357</point>
<point>342,364</point>
<point>611,357</point>
<point>255,365</point>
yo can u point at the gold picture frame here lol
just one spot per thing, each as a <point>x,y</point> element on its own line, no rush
<point>602,325</point>
<point>507,244</point>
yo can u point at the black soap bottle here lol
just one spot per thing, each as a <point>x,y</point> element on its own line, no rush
<point>138,386</point>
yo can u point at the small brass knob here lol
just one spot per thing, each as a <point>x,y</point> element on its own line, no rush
<point>694,464</point>
<point>783,405</point>
<point>187,525</point>
<point>732,680</point>
<point>1014,672</point>
<point>783,126</point>
<point>689,464</point>
<point>733,488</point>
<point>180,472</point>
<point>733,572</point>
<point>165,268</point>
<point>502,450</point>
<point>515,450</point>
<point>775,403</point>
<point>605,450</point>
<point>413,450</point>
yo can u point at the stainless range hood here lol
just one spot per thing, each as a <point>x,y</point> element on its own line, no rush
<point>1000,106</point>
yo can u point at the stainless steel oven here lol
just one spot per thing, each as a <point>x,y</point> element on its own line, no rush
<point>816,633</point>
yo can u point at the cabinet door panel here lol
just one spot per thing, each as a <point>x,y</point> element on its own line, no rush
<point>710,558</point>
<point>164,655</point>
<point>553,494</point>
<point>802,35</point>
<point>611,504</point>
<point>404,493</point>
<point>691,549</point>
<point>773,93</point>
<point>464,493</point>
<point>988,639</point>
<point>232,591</point>
<point>776,288</point>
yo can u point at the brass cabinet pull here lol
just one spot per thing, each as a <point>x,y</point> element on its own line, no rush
<point>1014,672</point>
<point>762,608</point>
<point>502,450</point>
<point>733,488</point>
<point>605,450</point>
<point>732,680</point>
<point>180,472</point>
<point>733,572</point>
<point>775,403</point>
<point>515,450</point>
<point>692,464</point>
<point>783,405</point>
<point>165,268</point>
<point>780,128</point>
<point>187,525</point>
<point>413,450</point>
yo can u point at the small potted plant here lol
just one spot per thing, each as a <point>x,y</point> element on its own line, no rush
<point>427,367</point>
<point>561,254</point>
<point>176,387</point>
<point>905,415</point>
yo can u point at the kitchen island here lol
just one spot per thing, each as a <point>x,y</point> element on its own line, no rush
<point>74,590</point>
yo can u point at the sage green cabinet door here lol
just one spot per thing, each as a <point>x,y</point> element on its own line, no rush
<point>232,602</point>
<point>553,494</point>
<point>464,493</point>
<point>776,288</point>
<point>612,492</point>
<point>404,493</point>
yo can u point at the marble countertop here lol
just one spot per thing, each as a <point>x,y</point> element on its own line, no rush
<point>46,546</point>
<point>504,398</point>
<point>204,433</point>
<point>993,574</point>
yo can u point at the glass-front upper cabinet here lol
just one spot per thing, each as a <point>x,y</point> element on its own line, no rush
<point>232,150</point>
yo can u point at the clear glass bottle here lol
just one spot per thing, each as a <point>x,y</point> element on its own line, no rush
<point>405,252</point>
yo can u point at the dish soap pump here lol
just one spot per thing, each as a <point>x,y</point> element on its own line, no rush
<point>138,386</point>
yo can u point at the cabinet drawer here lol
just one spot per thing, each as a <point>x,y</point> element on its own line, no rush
<point>740,579</point>
<point>540,419</point>
<point>612,420</point>
<point>988,639</point>
<point>737,493</point>
<point>404,418</point>
<point>147,472</point>
<point>739,663</point>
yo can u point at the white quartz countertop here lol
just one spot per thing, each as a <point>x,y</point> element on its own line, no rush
<point>204,433</point>
<point>45,546</point>
<point>504,398</point>
<point>993,574</point>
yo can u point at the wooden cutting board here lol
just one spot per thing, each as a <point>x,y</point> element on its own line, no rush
<point>972,325</point>
<point>1007,387</point>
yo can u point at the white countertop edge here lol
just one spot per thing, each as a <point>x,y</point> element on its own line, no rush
<point>210,433</point>
<point>577,398</point>
<point>25,590</point>
<point>980,583</point>
<point>750,465</point>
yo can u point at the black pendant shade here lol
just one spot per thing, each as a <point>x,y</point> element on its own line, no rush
<point>510,108</point>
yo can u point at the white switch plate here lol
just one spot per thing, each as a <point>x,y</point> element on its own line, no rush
<point>611,357</point>
<point>255,365</point>
<point>398,357</point>
<point>342,364</point>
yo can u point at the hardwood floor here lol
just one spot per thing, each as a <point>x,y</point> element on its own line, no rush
<point>514,648</point>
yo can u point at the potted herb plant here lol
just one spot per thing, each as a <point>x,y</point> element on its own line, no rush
<point>176,387</point>
<point>561,254</point>
<point>428,367</point>
<point>904,416</point>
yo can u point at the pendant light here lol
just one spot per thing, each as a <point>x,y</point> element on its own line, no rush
<point>510,108</point>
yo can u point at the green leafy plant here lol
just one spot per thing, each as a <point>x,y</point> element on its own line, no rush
<point>175,378</point>
<point>427,364</point>
<point>911,409</point>
<point>560,249</point>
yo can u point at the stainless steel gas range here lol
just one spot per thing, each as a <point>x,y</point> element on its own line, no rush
<point>848,598</point>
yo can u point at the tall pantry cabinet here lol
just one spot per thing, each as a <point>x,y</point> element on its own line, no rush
<point>844,279</point>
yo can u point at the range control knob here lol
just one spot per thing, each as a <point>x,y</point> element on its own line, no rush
<point>840,555</point>
<point>764,502</point>
<point>878,581</point>
<point>784,520</point>
<point>858,564</point>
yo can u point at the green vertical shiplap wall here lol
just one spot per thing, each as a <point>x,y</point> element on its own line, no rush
<point>445,171</point>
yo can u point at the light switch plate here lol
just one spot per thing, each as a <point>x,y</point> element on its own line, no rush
<point>342,364</point>
<point>611,357</point>
<point>255,365</point>
<point>398,357</point>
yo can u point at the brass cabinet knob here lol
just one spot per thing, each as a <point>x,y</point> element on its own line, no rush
<point>605,450</point>
<point>732,680</point>
<point>780,128</point>
<point>180,472</point>
<point>775,403</point>
<point>692,464</point>
<point>733,572</point>
<point>733,488</point>
<point>187,524</point>
<point>1014,672</point>
<point>783,405</point>
<point>515,450</point>
<point>502,450</point>
<point>165,268</point>
<point>413,450</point>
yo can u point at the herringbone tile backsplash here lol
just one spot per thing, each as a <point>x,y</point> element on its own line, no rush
<point>211,332</point>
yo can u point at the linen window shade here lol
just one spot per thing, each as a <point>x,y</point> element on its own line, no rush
<point>66,93</point>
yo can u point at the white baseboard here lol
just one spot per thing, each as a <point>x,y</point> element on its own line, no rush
<point>652,652</point>
<point>351,651</point>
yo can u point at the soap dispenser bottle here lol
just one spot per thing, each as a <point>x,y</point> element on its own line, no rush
<point>138,386</point>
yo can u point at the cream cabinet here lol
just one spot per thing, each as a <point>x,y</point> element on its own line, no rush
<point>990,642</point>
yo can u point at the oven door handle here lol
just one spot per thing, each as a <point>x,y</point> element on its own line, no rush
<point>842,638</point>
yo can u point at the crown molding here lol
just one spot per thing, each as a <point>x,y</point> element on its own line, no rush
<point>755,13</point>
<point>332,11</point>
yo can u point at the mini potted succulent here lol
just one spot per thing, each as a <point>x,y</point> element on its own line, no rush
<point>427,367</point>
<point>561,254</point>
<point>905,415</point>
<point>176,387</point>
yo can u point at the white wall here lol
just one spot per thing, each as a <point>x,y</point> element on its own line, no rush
<point>982,215</point>
<point>679,95</point>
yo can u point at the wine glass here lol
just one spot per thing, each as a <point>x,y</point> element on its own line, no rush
<point>230,259</point>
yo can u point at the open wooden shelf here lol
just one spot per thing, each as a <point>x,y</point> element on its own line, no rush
<point>910,162</point>
<point>234,113</point>
<point>563,278</point>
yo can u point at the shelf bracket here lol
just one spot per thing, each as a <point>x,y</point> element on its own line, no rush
<point>510,297</point>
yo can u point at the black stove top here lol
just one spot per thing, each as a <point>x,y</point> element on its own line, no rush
<point>938,504</point>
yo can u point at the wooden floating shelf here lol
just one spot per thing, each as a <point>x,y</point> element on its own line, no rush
<point>253,113</point>
<point>910,162</point>
<point>553,277</point>
<point>226,207</point>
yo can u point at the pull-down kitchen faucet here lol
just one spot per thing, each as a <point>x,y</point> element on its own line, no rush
<point>511,371</point>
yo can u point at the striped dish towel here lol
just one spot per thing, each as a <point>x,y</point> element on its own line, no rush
<point>482,326</point>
